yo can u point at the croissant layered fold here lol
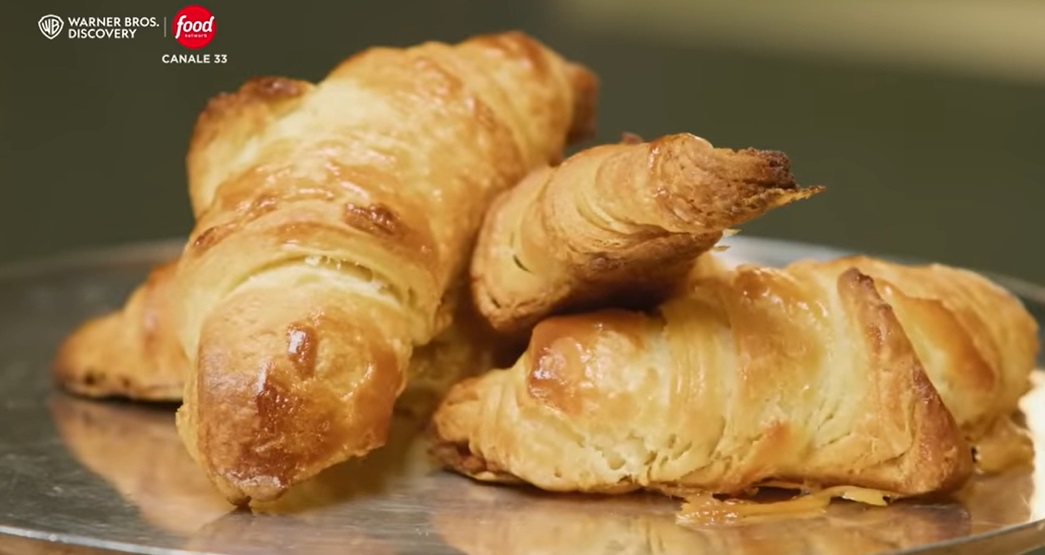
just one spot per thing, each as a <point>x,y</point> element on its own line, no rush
<point>853,372</point>
<point>618,223</point>
<point>976,341</point>
<point>334,219</point>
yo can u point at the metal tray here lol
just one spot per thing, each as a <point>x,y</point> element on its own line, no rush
<point>114,475</point>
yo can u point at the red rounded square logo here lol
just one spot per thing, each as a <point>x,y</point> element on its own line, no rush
<point>193,26</point>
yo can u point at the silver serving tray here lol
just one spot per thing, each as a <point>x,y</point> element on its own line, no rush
<point>114,475</point>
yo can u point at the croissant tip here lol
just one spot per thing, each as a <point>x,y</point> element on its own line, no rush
<point>774,159</point>
<point>802,193</point>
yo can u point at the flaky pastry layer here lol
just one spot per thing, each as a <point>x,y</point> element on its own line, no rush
<point>332,221</point>
<point>851,372</point>
<point>619,223</point>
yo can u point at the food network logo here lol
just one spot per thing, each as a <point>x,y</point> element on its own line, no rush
<point>193,27</point>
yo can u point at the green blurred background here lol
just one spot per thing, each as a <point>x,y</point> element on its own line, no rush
<point>926,119</point>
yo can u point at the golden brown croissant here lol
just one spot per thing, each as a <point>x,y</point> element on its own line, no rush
<point>805,375</point>
<point>337,217</point>
<point>621,221</point>
<point>133,352</point>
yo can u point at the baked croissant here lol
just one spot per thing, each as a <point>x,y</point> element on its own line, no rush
<point>132,352</point>
<point>805,375</point>
<point>621,222</point>
<point>335,219</point>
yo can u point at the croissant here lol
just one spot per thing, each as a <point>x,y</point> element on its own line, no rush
<point>613,219</point>
<point>334,219</point>
<point>132,352</point>
<point>805,375</point>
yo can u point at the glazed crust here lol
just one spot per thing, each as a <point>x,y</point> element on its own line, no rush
<point>333,220</point>
<point>133,353</point>
<point>615,219</point>
<point>804,375</point>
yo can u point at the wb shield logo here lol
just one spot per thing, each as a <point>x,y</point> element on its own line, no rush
<point>50,26</point>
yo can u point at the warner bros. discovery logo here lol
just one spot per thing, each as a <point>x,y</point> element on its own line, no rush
<point>50,25</point>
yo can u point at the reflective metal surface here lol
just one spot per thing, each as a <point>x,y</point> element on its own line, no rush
<point>114,475</point>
